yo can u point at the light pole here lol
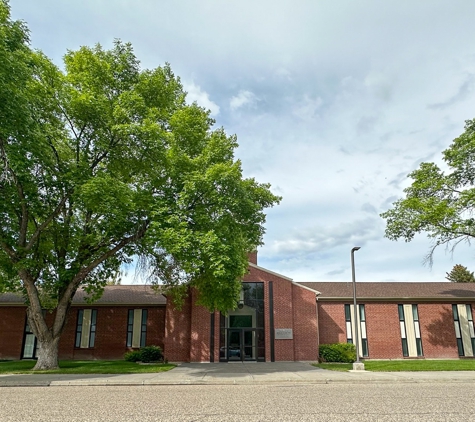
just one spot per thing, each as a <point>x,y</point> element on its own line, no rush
<point>357,365</point>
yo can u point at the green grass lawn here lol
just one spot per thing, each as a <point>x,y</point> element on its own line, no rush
<point>405,365</point>
<point>84,367</point>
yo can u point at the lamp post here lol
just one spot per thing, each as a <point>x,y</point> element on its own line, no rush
<point>357,366</point>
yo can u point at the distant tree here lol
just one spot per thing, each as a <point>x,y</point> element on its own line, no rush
<point>460,274</point>
<point>439,203</point>
<point>105,162</point>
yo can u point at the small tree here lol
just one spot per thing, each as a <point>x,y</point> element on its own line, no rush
<point>460,274</point>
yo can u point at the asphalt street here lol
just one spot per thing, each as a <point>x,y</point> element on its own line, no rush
<point>429,401</point>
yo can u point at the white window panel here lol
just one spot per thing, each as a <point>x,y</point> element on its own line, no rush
<point>348,330</point>
<point>457,329</point>
<point>410,331</point>
<point>417,329</point>
<point>464,327</point>
<point>403,329</point>
<point>86,328</point>
<point>470,327</point>
<point>363,329</point>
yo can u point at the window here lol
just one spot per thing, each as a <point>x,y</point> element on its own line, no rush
<point>29,343</point>
<point>350,328</point>
<point>137,328</point>
<point>410,330</point>
<point>86,328</point>
<point>464,333</point>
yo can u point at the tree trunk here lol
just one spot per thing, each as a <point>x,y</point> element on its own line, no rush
<point>47,355</point>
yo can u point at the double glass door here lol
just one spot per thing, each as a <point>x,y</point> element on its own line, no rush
<point>241,344</point>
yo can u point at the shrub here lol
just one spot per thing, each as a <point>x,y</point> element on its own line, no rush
<point>151,354</point>
<point>133,356</point>
<point>338,352</point>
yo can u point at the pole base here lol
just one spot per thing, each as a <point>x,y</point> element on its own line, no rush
<point>358,366</point>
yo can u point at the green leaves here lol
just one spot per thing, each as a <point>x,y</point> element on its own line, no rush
<point>437,203</point>
<point>104,162</point>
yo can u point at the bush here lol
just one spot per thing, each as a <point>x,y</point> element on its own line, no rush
<point>133,356</point>
<point>151,354</point>
<point>338,352</point>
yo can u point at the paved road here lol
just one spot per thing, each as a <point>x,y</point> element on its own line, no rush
<point>205,403</point>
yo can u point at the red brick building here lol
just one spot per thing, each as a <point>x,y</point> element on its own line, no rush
<point>276,319</point>
<point>399,320</point>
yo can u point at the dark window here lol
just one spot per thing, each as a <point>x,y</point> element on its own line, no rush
<point>86,328</point>
<point>137,336</point>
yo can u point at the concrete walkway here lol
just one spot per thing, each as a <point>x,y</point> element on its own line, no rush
<point>237,373</point>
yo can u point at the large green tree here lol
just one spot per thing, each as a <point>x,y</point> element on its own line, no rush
<point>104,162</point>
<point>439,203</point>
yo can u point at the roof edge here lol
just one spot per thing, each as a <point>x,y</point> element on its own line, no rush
<point>269,271</point>
<point>306,288</point>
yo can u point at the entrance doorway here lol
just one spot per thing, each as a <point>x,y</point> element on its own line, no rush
<point>242,335</point>
<point>241,344</point>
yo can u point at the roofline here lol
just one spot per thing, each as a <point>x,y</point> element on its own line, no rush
<point>445,299</point>
<point>307,288</point>
<point>269,271</point>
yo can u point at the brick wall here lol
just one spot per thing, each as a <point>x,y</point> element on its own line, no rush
<point>383,332</point>
<point>12,326</point>
<point>383,329</point>
<point>305,324</point>
<point>178,332</point>
<point>111,332</point>
<point>437,331</point>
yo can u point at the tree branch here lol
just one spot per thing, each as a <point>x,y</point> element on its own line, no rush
<point>46,223</point>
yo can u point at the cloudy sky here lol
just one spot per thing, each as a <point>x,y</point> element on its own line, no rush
<point>333,103</point>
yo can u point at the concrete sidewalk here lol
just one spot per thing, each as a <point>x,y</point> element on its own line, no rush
<point>237,373</point>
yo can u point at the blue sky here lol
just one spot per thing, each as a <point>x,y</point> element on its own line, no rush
<point>333,103</point>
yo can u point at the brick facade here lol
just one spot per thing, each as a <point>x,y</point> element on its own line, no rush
<point>186,334</point>
<point>383,329</point>
<point>111,332</point>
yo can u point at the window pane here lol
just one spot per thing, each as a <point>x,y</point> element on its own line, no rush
<point>400,310</point>
<point>470,327</point>
<point>364,344</point>
<point>347,313</point>
<point>457,329</point>
<point>469,313</point>
<point>349,334</point>
<point>417,329</point>
<point>414,313</point>
<point>455,312</point>
<point>363,329</point>
<point>460,346</point>
<point>403,329</point>
<point>362,313</point>
<point>405,351</point>
<point>419,346</point>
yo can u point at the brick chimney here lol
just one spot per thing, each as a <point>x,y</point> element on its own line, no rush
<point>252,257</point>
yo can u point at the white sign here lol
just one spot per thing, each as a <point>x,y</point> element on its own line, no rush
<point>284,334</point>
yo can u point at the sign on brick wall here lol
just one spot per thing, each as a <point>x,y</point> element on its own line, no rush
<point>284,334</point>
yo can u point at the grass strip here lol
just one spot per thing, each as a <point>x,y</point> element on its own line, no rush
<point>412,365</point>
<point>84,367</point>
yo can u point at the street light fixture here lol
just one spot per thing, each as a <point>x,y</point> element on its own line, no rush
<point>357,365</point>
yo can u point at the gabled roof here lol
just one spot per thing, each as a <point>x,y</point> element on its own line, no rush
<point>394,291</point>
<point>113,295</point>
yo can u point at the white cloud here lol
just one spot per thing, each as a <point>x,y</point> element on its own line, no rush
<point>195,93</point>
<point>243,98</point>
